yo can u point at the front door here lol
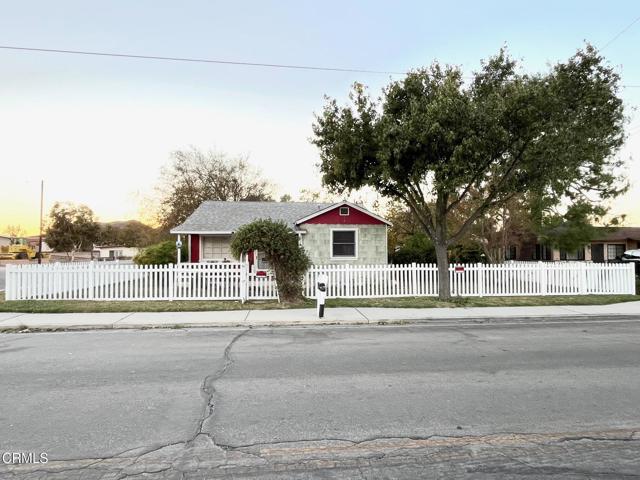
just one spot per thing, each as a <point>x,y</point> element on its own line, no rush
<point>597,252</point>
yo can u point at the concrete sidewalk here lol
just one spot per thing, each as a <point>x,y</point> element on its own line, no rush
<point>333,316</point>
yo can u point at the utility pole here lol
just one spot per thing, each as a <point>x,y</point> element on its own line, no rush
<point>41,209</point>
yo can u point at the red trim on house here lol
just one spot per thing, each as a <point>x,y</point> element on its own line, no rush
<point>195,248</point>
<point>355,217</point>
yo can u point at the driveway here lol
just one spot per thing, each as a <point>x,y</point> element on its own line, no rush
<point>485,401</point>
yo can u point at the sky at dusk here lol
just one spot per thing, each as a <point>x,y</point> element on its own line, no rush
<point>98,129</point>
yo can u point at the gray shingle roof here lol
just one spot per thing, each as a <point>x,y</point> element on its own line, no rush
<point>216,216</point>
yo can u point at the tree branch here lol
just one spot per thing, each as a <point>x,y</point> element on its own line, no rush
<point>491,199</point>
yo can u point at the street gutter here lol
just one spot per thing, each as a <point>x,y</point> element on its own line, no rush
<point>583,319</point>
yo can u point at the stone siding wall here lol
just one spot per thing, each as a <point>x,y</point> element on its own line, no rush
<point>371,248</point>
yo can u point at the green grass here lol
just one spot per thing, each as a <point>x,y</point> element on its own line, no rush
<point>430,302</point>
<point>79,306</point>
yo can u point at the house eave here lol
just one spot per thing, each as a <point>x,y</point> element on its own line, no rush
<point>198,232</point>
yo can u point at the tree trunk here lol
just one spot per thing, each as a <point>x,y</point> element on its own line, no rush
<point>444,291</point>
<point>440,241</point>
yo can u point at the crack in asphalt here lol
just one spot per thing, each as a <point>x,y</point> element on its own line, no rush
<point>629,438</point>
<point>127,467</point>
<point>131,463</point>
<point>208,390</point>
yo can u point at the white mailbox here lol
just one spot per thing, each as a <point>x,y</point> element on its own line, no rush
<point>321,293</point>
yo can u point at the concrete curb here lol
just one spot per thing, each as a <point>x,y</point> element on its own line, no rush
<point>31,326</point>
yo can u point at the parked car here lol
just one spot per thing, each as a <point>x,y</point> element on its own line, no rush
<point>632,256</point>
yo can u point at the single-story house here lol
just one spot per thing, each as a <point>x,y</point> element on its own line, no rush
<point>34,242</point>
<point>331,233</point>
<point>608,246</point>
<point>114,252</point>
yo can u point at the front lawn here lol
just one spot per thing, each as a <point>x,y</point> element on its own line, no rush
<point>80,306</point>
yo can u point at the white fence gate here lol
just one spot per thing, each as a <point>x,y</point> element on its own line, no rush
<point>234,281</point>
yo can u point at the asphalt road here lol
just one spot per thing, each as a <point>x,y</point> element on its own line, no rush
<point>486,401</point>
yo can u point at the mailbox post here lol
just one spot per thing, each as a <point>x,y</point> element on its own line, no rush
<point>178,250</point>
<point>321,293</point>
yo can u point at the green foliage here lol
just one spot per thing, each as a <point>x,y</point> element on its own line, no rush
<point>417,248</point>
<point>127,234</point>
<point>467,253</point>
<point>570,231</point>
<point>71,228</point>
<point>282,250</point>
<point>162,253</point>
<point>435,141</point>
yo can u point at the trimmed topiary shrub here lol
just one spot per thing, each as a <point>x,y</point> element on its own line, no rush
<point>282,250</point>
<point>161,254</point>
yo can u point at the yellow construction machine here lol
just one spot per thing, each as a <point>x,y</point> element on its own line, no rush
<point>19,249</point>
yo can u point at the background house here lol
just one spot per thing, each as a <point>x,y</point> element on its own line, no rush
<point>114,252</point>
<point>608,246</point>
<point>5,240</point>
<point>34,242</point>
<point>331,233</point>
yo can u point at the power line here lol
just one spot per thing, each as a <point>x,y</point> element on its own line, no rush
<point>224,62</point>
<point>200,60</point>
<point>619,34</point>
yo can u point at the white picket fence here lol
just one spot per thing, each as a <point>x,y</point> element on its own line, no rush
<point>100,281</point>
<point>234,281</point>
<point>507,279</point>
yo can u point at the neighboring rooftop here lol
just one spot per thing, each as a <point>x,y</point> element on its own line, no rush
<point>618,233</point>
<point>216,216</point>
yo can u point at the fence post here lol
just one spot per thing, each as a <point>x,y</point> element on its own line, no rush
<point>583,278</point>
<point>91,280</point>
<point>481,279</point>
<point>9,281</point>
<point>244,280</point>
<point>543,278</point>
<point>414,279</point>
<point>172,283</point>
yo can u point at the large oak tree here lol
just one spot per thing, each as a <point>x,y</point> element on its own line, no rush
<point>435,139</point>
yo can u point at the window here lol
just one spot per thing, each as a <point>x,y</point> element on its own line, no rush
<point>263,264</point>
<point>343,243</point>
<point>615,251</point>
<point>510,252</point>
<point>344,211</point>
<point>543,252</point>
<point>215,248</point>
<point>573,255</point>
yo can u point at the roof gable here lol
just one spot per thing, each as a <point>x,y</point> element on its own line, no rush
<point>331,216</point>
